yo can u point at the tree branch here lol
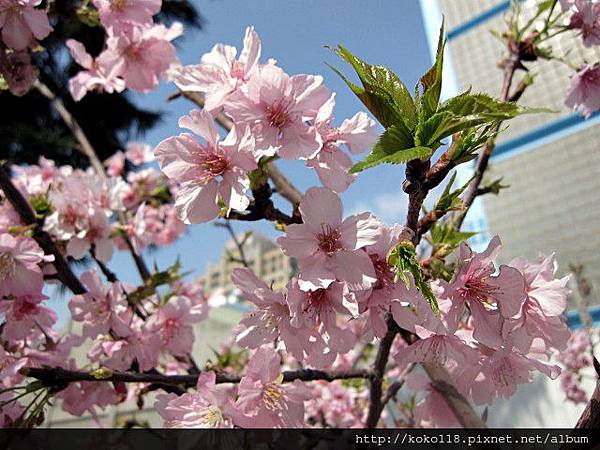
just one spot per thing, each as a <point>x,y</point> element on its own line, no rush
<point>590,418</point>
<point>84,144</point>
<point>376,403</point>
<point>57,376</point>
<point>27,215</point>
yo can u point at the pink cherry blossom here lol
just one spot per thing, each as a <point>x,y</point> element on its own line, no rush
<point>22,23</point>
<point>18,71</point>
<point>489,297</point>
<point>586,17</point>
<point>583,94</point>
<point>270,320</point>
<point>96,235</point>
<point>209,173</point>
<point>24,316</point>
<point>546,300</point>
<point>327,247</point>
<point>102,308</point>
<point>502,371</point>
<point>207,407</point>
<point>174,324</point>
<point>139,346</point>
<point>115,165</point>
<point>220,74</point>
<point>119,15</point>
<point>20,273</point>
<point>278,108</point>
<point>331,163</point>
<point>143,56</point>
<point>139,153</point>
<point>318,311</point>
<point>101,74</point>
<point>263,397</point>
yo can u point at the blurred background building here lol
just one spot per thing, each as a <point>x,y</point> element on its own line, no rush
<point>550,161</point>
<point>262,255</point>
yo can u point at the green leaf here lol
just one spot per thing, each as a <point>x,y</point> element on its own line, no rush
<point>394,146</point>
<point>450,200</point>
<point>444,238</point>
<point>484,106</point>
<point>383,92</point>
<point>404,258</point>
<point>443,124</point>
<point>431,82</point>
<point>465,144</point>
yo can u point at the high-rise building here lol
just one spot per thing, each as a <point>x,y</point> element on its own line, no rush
<point>262,255</point>
<point>551,161</point>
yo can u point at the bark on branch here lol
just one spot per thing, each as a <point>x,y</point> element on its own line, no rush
<point>57,376</point>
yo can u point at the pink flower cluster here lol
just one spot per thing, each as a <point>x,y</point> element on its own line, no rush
<point>262,399</point>
<point>22,25</point>
<point>576,358</point>
<point>273,114</point>
<point>138,52</point>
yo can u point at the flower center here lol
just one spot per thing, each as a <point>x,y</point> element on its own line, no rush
<point>277,115</point>
<point>134,52</point>
<point>329,238</point>
<point>8,266</point>
<point>316,301</point>
<point>476,288</point>
<point>212,417</point>
<point>214,163</point>
<point>118,5</point>
<point>273,397</point>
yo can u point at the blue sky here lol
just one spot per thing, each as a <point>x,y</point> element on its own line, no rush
<point>386,32</point>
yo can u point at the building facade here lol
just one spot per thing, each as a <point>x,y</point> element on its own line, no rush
<point>263,256</point>
<point>551,161</point>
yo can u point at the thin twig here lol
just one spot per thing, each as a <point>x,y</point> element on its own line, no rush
<point>84,144</point>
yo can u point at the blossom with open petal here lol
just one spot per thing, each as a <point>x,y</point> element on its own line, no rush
<point>208,407</point>
<point>220,73</point>
<point>101,74</point>
<point>265,400</point>
<point>583,94</point>
<point>119,15</point>
<point>329,248</point>
<point>22,23</point>
<point>20,273</point>
<point>211,173</point>
<point>331,163</point>
<point>489,297</point>
<point>278,108</point>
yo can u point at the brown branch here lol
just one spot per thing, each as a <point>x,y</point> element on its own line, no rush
<point>510,66</point>
<point>590,418</point>
<point>376,403</point>
<point>27,215</point>
<point>460,406</point>
<point>57,376</point>
<point>282,185</point>
<point>84,144</point>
